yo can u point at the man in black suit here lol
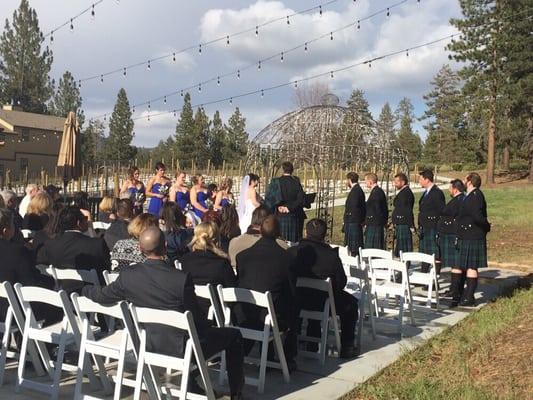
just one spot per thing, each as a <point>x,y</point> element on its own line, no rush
<point>157,284</point>
<point>354,214</point>
<point>263,267</point>
<point>430,207</point>
<point>472,229</point>
<point>118,229</point>
<point>290,211</point>
<point>377,214</point>
<point>402,215</point>
<point>313,258</point>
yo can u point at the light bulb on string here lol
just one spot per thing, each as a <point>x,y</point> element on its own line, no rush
<point>320,10</point>
<point>101,79</point>
<point>165,100</point>
<point>331,36</point>
<point>407,53</point>
<point>331,74</point>
<point>174,113</point>
<point>388,12</point>
<point>281,58</point>
<point>174,57</point>
<point>133,109</point>
<point>149,106</point>
<point>231,100</point>
<point>257,30</point>
<point>148,67</point>
<point>259,65</point>
<point>262,93</point>
<point>124,72</point>
<point>227,40</point>
<point>92,12</point>
<point>148,117</point>
<point>358,24</point>
<point>288,20</point>
<point>181,93</point>
<point>79,83</point>
<point>218,80</point>
<point>295,84</point>
<point>238,74</point>
<point>52,37</point>
<point>369,64</point>
<point>305,48</point>
<point>105,117</point>
<point>71,25</point>
<point>200,49</point>
<point>199,88</point>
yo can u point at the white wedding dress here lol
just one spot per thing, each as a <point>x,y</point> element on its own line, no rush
<point>246,218</point>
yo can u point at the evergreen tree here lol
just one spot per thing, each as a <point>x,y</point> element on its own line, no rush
<point>184,142</point>
<point>217,138</point>
<point>91,142</point>
<point>359,117</point>
<point>408,140</point>
<point>119,148</point>
<point>24,68</point>
<point>385,128</point>
<point>67,98</point>
<point>201,129</point>
<point>236,145</point>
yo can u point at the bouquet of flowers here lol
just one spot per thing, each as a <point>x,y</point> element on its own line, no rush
<point>163,189</point>
<point>139,197</point>
<point>231,201</point>
<point>209,204</point>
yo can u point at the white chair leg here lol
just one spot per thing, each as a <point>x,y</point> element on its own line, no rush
<point>120,367</point>
<point>263,364</point>
<point>430,293</point>
<point>371,314</point>
<point>58,368</point>
<point>22,358</point>
<point>186,369</point>
<point>400,316</point>
<point>5,345</point>
<point>79,373</point>
<point>222,371</point>
<point>140,369</point>
<point>281,355</point>
<point>336,331</point>
<point>324,326</point>
<point>436,292</point>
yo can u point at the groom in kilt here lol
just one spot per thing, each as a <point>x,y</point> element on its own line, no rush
<point>402,215</point>
<point>290,211</point>
<point>377,214</point>
<point>448,241</point>
<point>430,206</point>
<point>354,214</point>
<point>472,228</point>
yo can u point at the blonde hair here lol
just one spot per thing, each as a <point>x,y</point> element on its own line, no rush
<point>206,237</point>
<point>108,204</point>
<point>140,223</point>
<point>195,179</point>
<point>226,184</point>
<point>40,204</point>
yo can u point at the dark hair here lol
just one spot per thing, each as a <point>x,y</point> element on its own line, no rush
<point>159,165</point>
<point>458,185</point>
<point>212,187</point>
<point>474,179</point>
<point>124,209</point>
<point>287,167</point>
<point>6,218</point>
<point>253,177</point>
<point>401,176</point>
<point>270,227</point>
<point>131,171</point>
<point>353,177</point>
<point>81,200</point>
<point>316,229</point>
<point>427,174</point>
<point>173,216</point>
<point>259,215</point>
<point>229,221</point>
<point>69,217</point>
<point>51,229</point>
<point>211,216</point>
<point>52,190</point>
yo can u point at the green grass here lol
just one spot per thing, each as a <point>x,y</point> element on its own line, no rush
<point>486,356</point>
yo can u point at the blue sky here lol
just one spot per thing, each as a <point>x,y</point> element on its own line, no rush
<point>130,31</point>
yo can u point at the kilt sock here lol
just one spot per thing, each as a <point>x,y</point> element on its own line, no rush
<point>471,285</point>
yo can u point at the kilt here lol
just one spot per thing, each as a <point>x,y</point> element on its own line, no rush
<point>449,251</point>
<point>428,242</point>
<point>374,237</point>
<point>290,227</point>
<point>403,239</point>
<point>472,254</point>
<point>353,237</point>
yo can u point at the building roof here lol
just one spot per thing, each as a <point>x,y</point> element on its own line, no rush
<point>10,119</point>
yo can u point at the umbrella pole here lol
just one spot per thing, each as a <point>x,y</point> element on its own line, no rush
<point>65,183</point>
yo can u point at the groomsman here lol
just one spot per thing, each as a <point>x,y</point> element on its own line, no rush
<point>473,227</point>
<point>377,214</point>
<point>290,211</point>
<point>448,242</point>
<point>431,205</point>
<point>354,214</point>
<point>402,215</point>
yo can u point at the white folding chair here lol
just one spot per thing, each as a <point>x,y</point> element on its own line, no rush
<point>110,277</point>
<point>8,328</point>
<point>365,255</point>
<point>27,233</point>
<point>386,289</point>
<point>427,279</point>
<point>343,250</point>
<point>177,264</point>
<point>183,321</point>
<point>269,333</point>
<point>101,225</point>
<point>114,264</point>
<point>208,292</point>
<point>327,317</point>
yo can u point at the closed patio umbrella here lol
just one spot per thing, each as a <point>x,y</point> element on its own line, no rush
<point>69,159</point>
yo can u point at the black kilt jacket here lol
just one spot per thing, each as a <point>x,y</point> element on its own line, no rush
<point>377,211</point>
<point>472,223</point>
<point>430,208</point>
<point>355,208</point>
<point>403,207</point>
<point>448,218</point>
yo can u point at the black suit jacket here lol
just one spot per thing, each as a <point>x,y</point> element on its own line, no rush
<point>448,218</point>
<point>159,285</point>
<point>472,222</point>
<point>430,208</point>
<point>377,211</point>
<point>355,208</point>
<point>118,230</point>
<point>293,195</point>
<point>403,202</point>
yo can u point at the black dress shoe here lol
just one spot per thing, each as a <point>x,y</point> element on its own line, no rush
<point>349,351</point>
<point>468,303</point>
<point>292,366</point>
<point>236,396</point>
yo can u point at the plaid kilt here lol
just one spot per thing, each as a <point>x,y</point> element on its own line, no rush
<point>403,239</point>
<point>353,237</point>
<point>428,242</point>
<point>472,254</point>
<point>449,251</point>
<point>374,237</point>
<point>290,227</point>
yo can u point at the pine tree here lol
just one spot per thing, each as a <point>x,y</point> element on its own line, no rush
<point>408,140</point>
<point>236,145</point>
<point>24,68</point>
<point>360,117</point>
<point>385,128</point>
<point>185,143</point>
<point>91,142</point>
<point>217,138</point>
<point>67,98</point>
<point>119,148</point>
<point>202,126</point>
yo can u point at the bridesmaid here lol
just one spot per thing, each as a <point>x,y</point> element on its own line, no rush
<point>224,196</point>
<point>198,196</point>
<point>179,193</point>
<point>157,189</point>
<point>134,189</point>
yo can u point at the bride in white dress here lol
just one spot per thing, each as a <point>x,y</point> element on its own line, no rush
<point>248,201</point>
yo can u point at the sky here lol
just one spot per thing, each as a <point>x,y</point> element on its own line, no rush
<point>127,32</point>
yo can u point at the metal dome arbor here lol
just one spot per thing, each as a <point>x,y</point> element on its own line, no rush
<point>330,139</point>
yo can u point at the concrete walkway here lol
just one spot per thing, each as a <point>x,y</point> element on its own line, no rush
<point>337,377</point>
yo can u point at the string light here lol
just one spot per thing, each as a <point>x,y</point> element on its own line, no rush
<point>174,113</point>
<point>133,109</point>
<point>320,10</point>
<point>281,58</point>
<point>124,72</point>
<point>199,87</point>
<point>259,65</point>
<point>71,26</point>
<point>288,20</point>
<point>148,67</point>
<point>331,36</point>
<point>231,100</point>
<point>165,100</point>
<point>101,79</point>
<point>52,37</point>
<point>79,84</point>
<point>238,74</point>
<point>174,57</point>
<point>388,12</point>
<point>149,106</point>
<point>256,30</point>
<point>200,48</point>
<point>331,74</point>
<point>407,53</point>
<point>358,24</point>
<point>305,48</point>
<point>218,81</point>
<point>92,12</point>
<point>181,93</point>
<point>295,84</point>
<point>227,40</point>
<point>262,93</point>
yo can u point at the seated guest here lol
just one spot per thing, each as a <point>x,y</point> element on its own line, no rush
<point>107,209</point>
<point>37,212</point>
<point>206,263</point>
<point>177,235</point>
<point>81,200</point>
<point>10,200</point>
<point>251,236</point>
<point>211,216</point>
<point>118,229</point>
<point>53,192</point>
<point>31,190</point>
<point>266,266</point>
<point>50,231</point>
<point>314,258</point>
<point>229,225</point>
<point>157,284</point>
<point>126,251</point>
